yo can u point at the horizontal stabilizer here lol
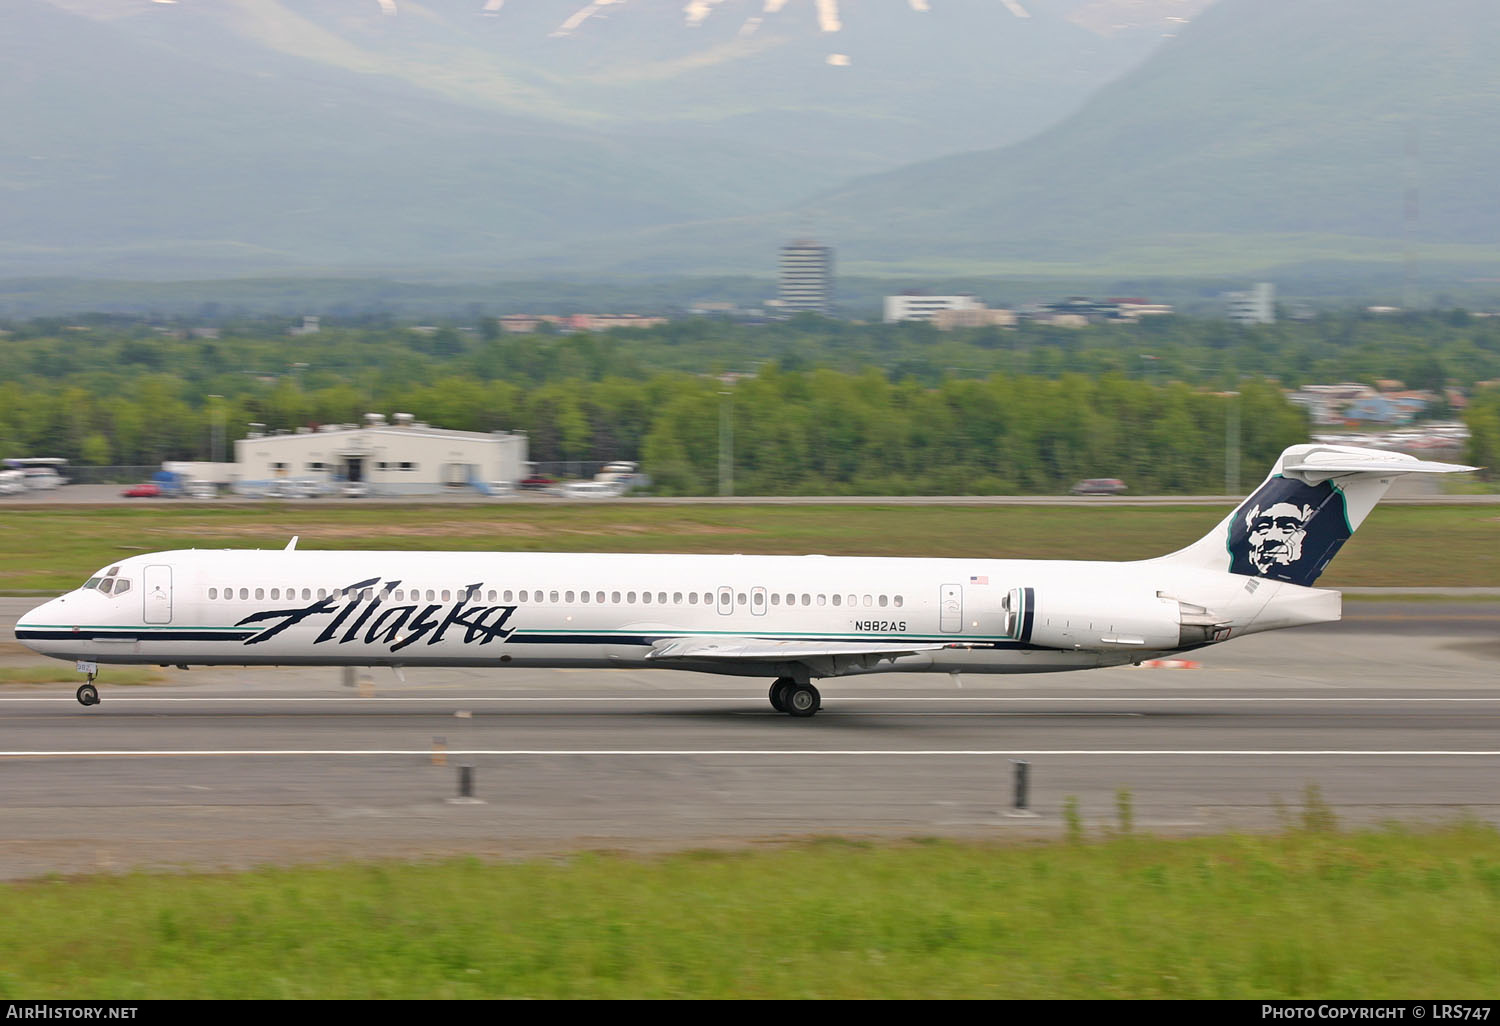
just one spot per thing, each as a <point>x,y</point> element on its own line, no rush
<point>1321,464</point>
<point>769,650</point>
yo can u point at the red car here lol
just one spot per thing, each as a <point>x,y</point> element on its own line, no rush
<point>537,481</point>
<point>146,490</point>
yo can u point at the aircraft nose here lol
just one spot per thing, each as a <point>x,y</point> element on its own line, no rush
<point>29,625</point>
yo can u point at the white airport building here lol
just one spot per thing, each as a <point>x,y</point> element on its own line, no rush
<point>402,457</point>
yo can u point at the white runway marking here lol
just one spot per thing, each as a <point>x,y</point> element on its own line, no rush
<point>739,752</point>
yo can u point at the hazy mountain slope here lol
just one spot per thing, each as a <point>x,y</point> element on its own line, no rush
<point>912,79</point>
<point>132,155</point>
<point>1286,124</point>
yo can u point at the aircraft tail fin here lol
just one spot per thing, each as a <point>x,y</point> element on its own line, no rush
<point>1313,500</point>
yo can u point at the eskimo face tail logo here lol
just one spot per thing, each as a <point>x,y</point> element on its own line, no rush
<point>1288,531</point>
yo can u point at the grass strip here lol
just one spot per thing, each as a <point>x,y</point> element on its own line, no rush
<point>1306,913</point>
<point>1407,546</point>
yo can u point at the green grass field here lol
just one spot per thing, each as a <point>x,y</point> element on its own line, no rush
<point>1400,546</point>
<point>1385,914</point>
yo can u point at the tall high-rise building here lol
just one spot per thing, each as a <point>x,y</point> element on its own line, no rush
<point>1255,307</point>
<point>807,277</point>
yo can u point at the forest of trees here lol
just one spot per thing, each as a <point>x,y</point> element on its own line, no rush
<point>815,406</point>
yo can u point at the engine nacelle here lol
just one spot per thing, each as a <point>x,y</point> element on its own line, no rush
<point>1104,621</point>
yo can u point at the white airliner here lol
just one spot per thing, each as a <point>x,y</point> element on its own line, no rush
<point>791,618</point>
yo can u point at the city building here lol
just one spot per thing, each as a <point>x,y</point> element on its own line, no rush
<point>983,317</point>
<point>918,306</point>
<point>806,278</point>
<point>1258,306</point>
<point>399,458</point>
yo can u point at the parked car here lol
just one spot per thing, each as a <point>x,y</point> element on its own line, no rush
<point>354,490</point>
<point>144,490</point>
<point>538,481</point>
<point>1099,486</point>
<point>202,490</point>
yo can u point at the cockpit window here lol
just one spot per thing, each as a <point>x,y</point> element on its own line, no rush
<point>109,585</point>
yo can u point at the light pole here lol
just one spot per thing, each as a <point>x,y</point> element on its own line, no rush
<point>726,443</point>
<point>1232,446</point>
<point>216,430</point>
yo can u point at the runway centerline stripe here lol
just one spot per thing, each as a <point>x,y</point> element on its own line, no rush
<point>115,696</point>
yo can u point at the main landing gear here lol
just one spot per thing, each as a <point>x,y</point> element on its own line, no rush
<point>795,698</point>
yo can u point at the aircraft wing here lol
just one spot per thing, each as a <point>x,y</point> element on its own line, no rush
<point>770,650</point>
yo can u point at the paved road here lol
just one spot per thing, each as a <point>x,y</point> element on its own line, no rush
<point>1392,714</point>
<point>1414,489</point>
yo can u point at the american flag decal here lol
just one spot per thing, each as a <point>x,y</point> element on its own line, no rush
<point>979,580</point>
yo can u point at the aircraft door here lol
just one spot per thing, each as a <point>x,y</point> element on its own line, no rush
<point>156,593</point>
<point>951,608</point>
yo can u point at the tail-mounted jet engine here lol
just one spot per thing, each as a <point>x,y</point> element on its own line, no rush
<point>1106,621</point>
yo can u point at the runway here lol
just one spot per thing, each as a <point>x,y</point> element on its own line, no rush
<point>1392,714</point>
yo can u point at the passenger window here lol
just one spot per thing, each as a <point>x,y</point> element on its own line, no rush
<point>836,599</point>
<point>260,593</point>
<point>630,597</point>
<point>568,597</point>
<point>692,598</point>
<point>584,596</point>
<point>599,597</point>
<point>867,601</point>
<point>276,593</point>
<point>445,595</point>
<point>661,598</point>
<point>554,596</point>
<point>676,598</point>
<point>775,598</point>
<point>822,600</point>
<point>646,597</point>
<point>882,601</point>
<point>807,600</point>
<point>614,597</point>
<point>509,596</point>
<point>213,593</point>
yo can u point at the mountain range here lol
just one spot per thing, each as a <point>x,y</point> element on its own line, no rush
<point>487,138</point>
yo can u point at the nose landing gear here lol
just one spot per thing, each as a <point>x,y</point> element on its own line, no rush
<point>88,694</point>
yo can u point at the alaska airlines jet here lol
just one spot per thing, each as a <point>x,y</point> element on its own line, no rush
<point>791,618</point>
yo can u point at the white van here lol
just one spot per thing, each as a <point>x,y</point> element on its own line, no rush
<point>42,478</point>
